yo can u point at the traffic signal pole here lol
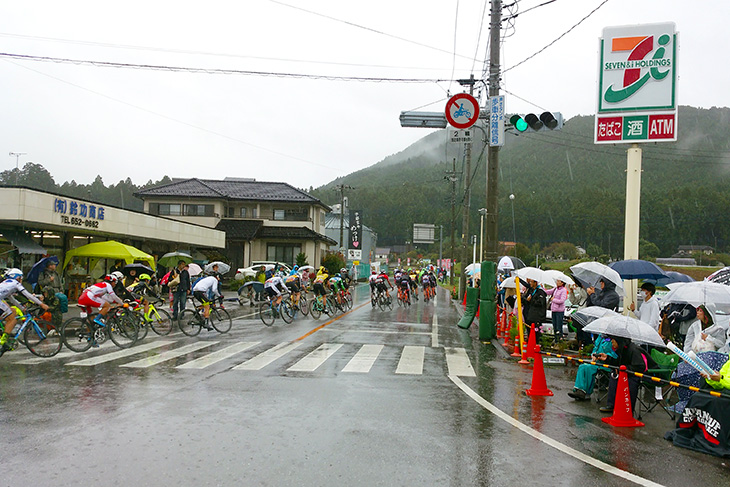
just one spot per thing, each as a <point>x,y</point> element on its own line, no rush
<point>493,152</point>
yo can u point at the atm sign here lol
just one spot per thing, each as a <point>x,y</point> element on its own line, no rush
<point>635,128</point>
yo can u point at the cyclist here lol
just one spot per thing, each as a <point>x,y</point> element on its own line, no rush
<point>373,285</point>
<point>345,276</point>
<point>142,290</point>
<point>321,284</point>
<point>274,287</point>
<point>100,295</point>
<point>404,286</point>
<point>380,283</point>
<point>426,283</point>
<point>206,291</point>
<point>294,284</point>
<point>413,275</point>
<point>336,285</point>
<point>8,288</point>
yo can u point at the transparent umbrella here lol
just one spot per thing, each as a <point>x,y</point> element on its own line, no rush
<point>194,269</point>
<point>535,274</point>
<point>559,276</point>
<point>625,327</point>
<point>700,292</point>
<point>591,313</point>
<point>222,267</point>
<point>593,272</point>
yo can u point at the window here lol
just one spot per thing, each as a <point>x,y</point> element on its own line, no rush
<point>243,212</point>
<point>169,209</point>
<point>279,214</point>
<point>254,212</point>
<point>292,214</point>
<point>283,253</point>
<point>198,210</point>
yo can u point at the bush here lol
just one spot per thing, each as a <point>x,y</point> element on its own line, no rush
<point>333,262</point>
<point>301,259</point>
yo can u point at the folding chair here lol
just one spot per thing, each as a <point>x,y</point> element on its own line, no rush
<point>667,364</point>
<point>600,388</point>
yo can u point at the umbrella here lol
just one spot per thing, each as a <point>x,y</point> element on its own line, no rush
<point>637,269</point>
<point>109,250</point>
<point>671,277</point>
<point>472,268</point>
<point>508,263</point>
<point>535,274</point>
<point>510,283</point>
<point>139,268</point>
<point>194,269</point>
<point>559,276</point>
<point>700,292</point>
<point>591,313</point>
<point>592,272</point>
<point>689,376</point>
<point>306,268</point>
<point>721,277</point>
<point>625,327</point>
<point>39,267</point>
<point>171,259</point>
<point>222,267</point>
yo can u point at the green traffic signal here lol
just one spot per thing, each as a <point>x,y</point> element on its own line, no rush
<point>533,123</point>
<point>518,123</point>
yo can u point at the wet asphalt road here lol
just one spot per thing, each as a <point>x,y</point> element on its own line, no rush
<point>366,399</point>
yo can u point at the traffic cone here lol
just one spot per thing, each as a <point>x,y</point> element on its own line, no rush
<point>516,350</point>
<point>531,342</point>
<point>623,414</point>
<point>539,386</point>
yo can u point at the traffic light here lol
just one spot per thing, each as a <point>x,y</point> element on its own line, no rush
<point>531,122</point>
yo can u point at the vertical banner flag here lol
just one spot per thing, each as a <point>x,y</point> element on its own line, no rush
<point>356,229</point>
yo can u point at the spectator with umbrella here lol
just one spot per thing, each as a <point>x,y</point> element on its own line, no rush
<point>180,289</point>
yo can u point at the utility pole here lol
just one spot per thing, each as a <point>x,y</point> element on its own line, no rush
<point>341,188</point>
<point>493,152</point>
<point>451,176</point>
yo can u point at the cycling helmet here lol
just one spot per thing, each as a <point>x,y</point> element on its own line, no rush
<point>322,269</point>
<point>110,278</point>
<point>343,270</point>
<point>13,273</point>
<point>118,275</point>
<point>144,277</point>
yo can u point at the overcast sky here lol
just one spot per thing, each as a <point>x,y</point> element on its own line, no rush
<point>80,120</point>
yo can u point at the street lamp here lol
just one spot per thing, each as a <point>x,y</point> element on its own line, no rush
<point>482,212</point>
<point>514,233</point>
<point>17,157</point>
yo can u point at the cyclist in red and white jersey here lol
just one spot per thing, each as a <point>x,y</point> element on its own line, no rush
<point>100,295</point>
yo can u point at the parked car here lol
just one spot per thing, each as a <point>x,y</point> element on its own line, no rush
<point>244,272</point>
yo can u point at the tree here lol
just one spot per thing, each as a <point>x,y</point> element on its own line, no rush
<point>301,259</point>
<point>561,250</point>
<point>648,250</point>
<point>593,250</point>
<point>333,261</point>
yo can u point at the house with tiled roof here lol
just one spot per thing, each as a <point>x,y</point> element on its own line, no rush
<point>262,220</point>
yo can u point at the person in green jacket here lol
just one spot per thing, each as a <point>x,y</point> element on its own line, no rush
<point>720,380</point>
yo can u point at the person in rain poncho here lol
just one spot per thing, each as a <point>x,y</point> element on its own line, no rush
<point>704,334</point>
<point>607,297</point>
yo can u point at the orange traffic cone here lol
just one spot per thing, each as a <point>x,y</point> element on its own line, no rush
<point>516,351</point>
<point>623,414</point>
<point>539,386</point>
<point>531,342</point>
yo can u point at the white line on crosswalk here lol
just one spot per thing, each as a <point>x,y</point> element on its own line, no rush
<point>169,355</point>
<point>121,353</point>
<point>435,331</point>
<point>215,357</point>
<point>265,358</point>
<point>363,361</point>
<point>317,357</point>
<point>458,362</point>
<point>411,360</point>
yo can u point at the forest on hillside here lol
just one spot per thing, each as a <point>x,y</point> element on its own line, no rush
<point>566,189</point>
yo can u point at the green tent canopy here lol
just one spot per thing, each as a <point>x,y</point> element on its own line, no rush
<point>109,250</point>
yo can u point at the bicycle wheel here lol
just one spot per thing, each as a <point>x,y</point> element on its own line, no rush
<point>389,302</point>
<point>348,300</point>
<point>221,320</point>
<point>329,306</point>
<point>287,314</point>
<point>314,309</point>
<point>76,334</point>
<point>266,313</point>
<point>190,322</point>
<point>161,322</point>
<point>143,326</point>
<point>42,338</point>
<point>123,330</point>
<point>303,305</point>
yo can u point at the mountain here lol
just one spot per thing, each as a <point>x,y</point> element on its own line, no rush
<point>565,187</point>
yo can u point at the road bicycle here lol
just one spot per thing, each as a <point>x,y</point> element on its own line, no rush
<point>403,297</point>
<point>385,301</point>
<point>191,321</point>
<point>157,319</point>
<point>39,336</point>
<point>81,333</point>
<point>268,311</point>
<point>319,305</point>
<point>302,304</point>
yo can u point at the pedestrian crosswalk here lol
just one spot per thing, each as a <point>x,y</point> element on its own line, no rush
<point>288,357</point>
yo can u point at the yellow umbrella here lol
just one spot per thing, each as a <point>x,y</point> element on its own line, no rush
<point>110,250</point>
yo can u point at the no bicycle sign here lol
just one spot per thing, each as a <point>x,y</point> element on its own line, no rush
<point>462,111</point>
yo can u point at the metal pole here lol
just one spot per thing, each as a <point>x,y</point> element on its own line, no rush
<point>493,152</point>
<point>441,245</point>
<point>514,232</point>
<point>467,202</point>
<point>633,209</point>
<point>481,237</point>
<point>17,160</point>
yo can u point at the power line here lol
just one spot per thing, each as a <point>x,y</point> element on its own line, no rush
<point>155,67</point>
<point>559,37</point>
<point>531,8</point>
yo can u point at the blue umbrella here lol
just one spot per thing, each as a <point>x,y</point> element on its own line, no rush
<point>637,269</point>
<point>40,266</point>
<point>670,278</point>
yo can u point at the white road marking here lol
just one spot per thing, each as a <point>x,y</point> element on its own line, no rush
<point>265,358</point>
<point>364,359</point>
<point>435,331</point>
<point>121,353</point>
<point>215,357</point>
<point>411,360</point>
<point>458,362</point>
<point>311,362</point>
<point>169,355</point>
<point>549,441</point>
